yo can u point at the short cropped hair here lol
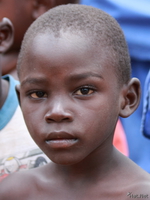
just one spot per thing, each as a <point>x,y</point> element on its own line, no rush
<point>92,23</point>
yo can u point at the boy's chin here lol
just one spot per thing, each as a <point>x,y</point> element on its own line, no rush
<point>66,161</point>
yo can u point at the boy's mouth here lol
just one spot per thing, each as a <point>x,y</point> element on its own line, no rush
<point>60,139</point>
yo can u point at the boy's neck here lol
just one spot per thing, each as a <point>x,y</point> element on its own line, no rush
<point>8,62</point>
<point>96,166</point>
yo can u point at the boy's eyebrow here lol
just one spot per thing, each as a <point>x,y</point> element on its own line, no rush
<point>85,75</point>
<point>33,81</point>
<point>73,77</point>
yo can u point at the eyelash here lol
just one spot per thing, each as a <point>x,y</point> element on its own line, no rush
<point>89,88</point>
<point>82,91</point>
<point>36,93</point>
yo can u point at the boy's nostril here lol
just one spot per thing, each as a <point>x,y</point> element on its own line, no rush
<point>53,117</point>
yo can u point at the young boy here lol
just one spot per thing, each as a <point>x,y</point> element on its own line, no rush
<point>74,71</point>
<point>22,13</point>
<point>17,149</point>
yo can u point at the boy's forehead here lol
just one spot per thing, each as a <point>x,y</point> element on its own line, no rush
<point>66,41</point>
<point>68,48</point>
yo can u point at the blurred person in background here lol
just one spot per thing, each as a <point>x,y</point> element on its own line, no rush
<point>22,13</point>
<point>146,109</point>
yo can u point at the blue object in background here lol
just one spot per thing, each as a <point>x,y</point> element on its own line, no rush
<point>146,108</point>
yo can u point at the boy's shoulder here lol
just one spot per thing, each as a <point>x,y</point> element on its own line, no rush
<point>21,185</point>
<point>133,179</point>
<point>140,189</point>
<point>125,181</point>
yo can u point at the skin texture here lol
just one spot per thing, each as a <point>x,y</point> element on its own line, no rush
<point>64,108</point>
<point>22,14</point>
<point>6,40</point>
<point>71,105</point>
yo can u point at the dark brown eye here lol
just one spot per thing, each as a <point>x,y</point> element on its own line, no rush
<point>38,94</point>
<point>84,91</point>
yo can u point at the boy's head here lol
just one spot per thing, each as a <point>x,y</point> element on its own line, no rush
<point>74,71</point>
<point>97,26</point>
<point>23,12</point>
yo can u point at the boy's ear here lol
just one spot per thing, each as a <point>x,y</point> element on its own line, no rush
<point>17,88</point>
<point>130,98</point>
<point>41,6</point>
<point>6,35</point>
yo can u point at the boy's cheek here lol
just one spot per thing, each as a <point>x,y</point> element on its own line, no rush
<point>31,114</point>
<point>32,118</point>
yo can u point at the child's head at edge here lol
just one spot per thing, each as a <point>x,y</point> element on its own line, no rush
<point>6,40</point>
<point>6,35</point>
<point>23,13</point>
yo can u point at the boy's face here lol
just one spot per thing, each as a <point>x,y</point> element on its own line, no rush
<point>69,99</point>
<point>19,12</point>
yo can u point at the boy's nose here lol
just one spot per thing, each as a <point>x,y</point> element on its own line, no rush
<point>58,113</point>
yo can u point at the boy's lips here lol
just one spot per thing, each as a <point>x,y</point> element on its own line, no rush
<point>60,139</point>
